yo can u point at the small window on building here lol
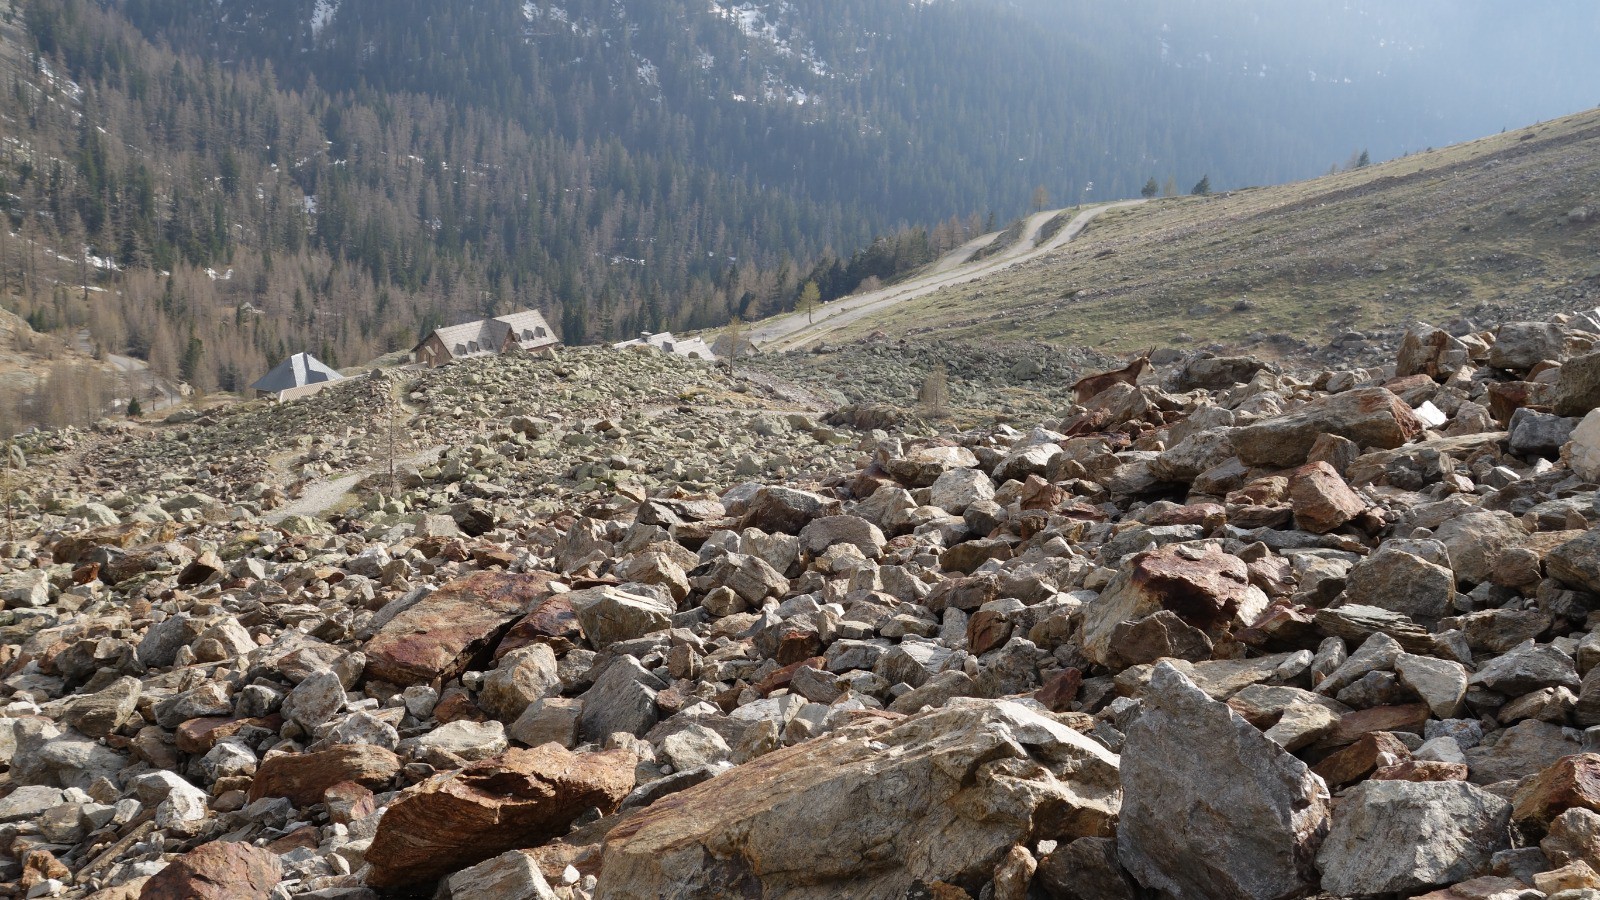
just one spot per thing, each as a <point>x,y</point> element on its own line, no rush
<point>527,335</point>
<point>460,349</point>
<point>472,346</point>
<point>540,331</point>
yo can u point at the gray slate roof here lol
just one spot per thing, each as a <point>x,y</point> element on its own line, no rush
<point>486,336</point>
<point>298,370</point>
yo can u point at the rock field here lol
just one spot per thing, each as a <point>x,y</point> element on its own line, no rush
<point>624,627</point>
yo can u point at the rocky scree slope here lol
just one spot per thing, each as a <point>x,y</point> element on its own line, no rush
<point>521,429</point>
<point>1242,635</point>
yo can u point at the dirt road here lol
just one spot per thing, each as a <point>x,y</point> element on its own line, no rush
<point>793,331</point>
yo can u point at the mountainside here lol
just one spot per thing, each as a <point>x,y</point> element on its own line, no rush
<point>1485,231</point>
<point>247,180</point>
<point>618,624</point>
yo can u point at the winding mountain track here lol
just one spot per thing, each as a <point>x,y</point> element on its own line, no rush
<point>793,331</point>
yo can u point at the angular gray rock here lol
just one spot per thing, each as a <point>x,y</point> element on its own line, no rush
<point>1578,387</point>
<point>1519,346</point>
<point>1401,836</point>
<point>1577,562</point>
<point>1212,807</point>
<point>869,810</point>
<point>1535,433</point>
<point>523,676</point>
<point>1401,582</point>
<point>609,615</point>
<point>623,699</point>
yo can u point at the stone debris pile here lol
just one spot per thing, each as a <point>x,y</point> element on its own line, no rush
<point>1242,633</point>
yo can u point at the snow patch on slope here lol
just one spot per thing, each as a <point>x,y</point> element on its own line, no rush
<point>322,14</point>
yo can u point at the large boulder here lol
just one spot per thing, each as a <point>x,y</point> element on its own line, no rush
<point>519,799</point>
<point>1208,589</point>
<point>1398,837</point>
<point>827,531</point>
<point>1519,346</point>
<point>438,637</point>
<point>1578,387</point>
<point>1534,433</point>
<point>870,810</point>
<point>1211,806</point>
<point>1572,782</point>
<point>1209,372</point>
<point>1372,417</point>
<point>623,699</point>
<point>924,466</point>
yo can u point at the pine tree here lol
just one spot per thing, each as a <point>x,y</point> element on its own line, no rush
<point>1170,189</point>
<point>734,336</point>
<point>810,296</point>
<point>1364,160</point>
<point>135,408</point>
<point>1202,187</point>
<point>1150,188</point>
<point>1041,198</point>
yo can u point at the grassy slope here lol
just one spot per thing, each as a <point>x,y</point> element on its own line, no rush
<point>1431,236</point>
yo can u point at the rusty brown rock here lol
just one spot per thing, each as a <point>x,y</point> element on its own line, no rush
<point>1361,759</point>
<point>1506,397</point>
<point>551,622</point>
<point>1406,717</point>
<point>304,777</point>
<point>1061,690</point>
<point>1207,589</point>
<point>1160,635</point>
<point>1422,770</point>
<point>206,566</point>
<point>348,801</point>
<point>798,644</point>
<point>220,870</point>
<point>442,634</point>
<point>1431,352</point>
<point>782,677</point>
<point>1321,499</point>
<point>72,548</point>
<point>1573,781</point>
<point>199,735</point>
<point>519,799</point>
<point>1209,515</point>
<point>986,630</point>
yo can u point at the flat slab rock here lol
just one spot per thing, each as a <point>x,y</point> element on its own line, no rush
<point>303,777</point>
<point>870,810</point>
<point>519,799</point>
<point>220,870</point>
<point>439,635</point>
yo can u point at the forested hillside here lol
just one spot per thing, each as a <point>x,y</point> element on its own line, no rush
<point>212,184</point>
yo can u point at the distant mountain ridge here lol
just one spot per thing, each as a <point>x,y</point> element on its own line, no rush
<point>339,176</point>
